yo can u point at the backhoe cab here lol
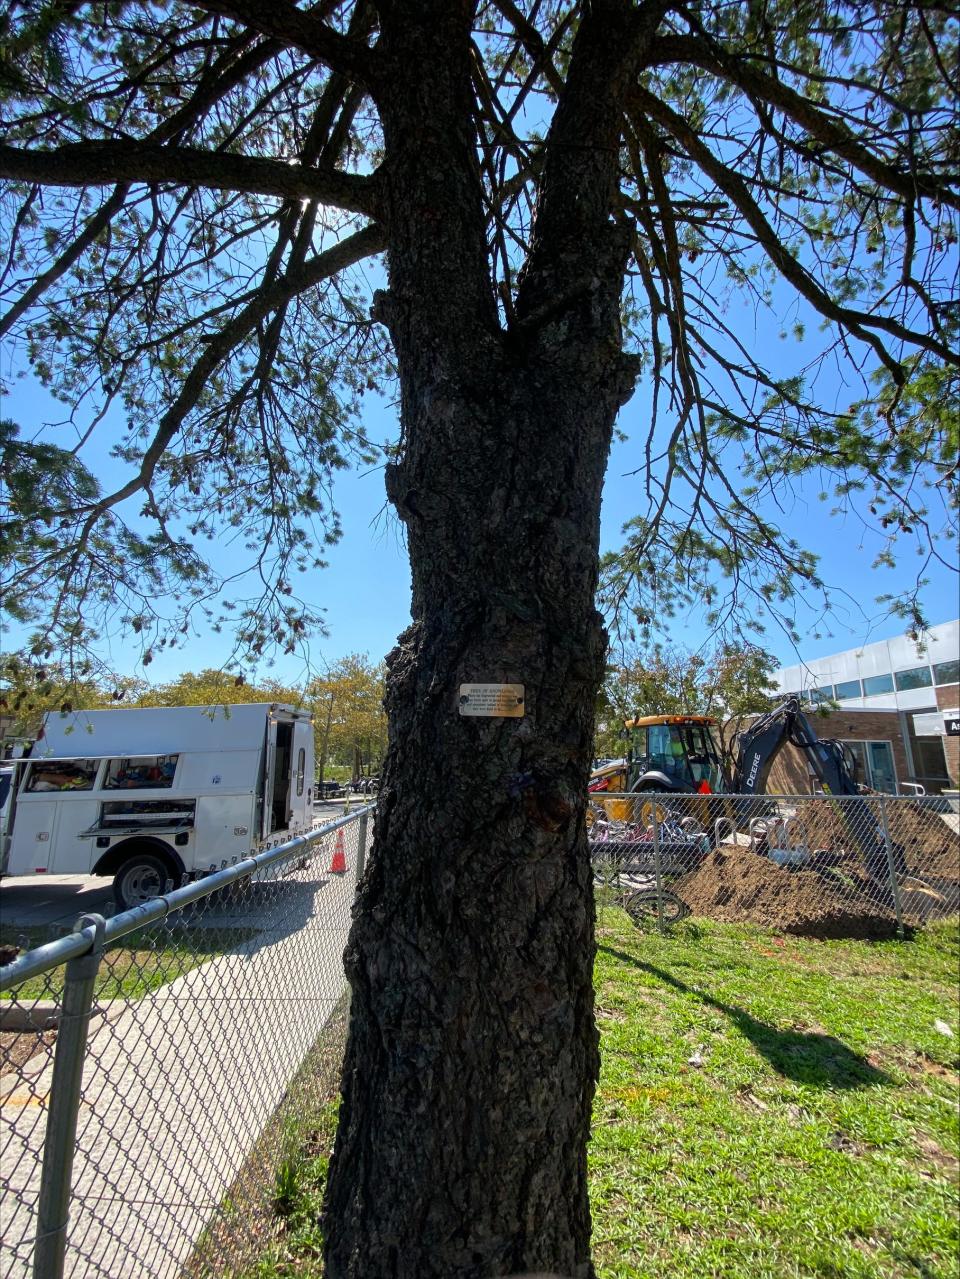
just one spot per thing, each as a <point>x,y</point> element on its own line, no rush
<point>667,753</point>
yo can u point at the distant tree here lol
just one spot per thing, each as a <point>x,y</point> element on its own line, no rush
<point>28,690</point>
<point>212,687</point>
<point>569,197</point>
<point>731,683</point>
<point>349,720</point>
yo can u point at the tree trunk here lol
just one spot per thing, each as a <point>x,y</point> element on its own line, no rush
<point>326,739</point>
<point>472,1052</point>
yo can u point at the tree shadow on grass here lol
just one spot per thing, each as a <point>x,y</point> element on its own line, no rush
<point>807,1057</point>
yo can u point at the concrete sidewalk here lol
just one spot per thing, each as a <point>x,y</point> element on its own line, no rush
<point>178,1086</point>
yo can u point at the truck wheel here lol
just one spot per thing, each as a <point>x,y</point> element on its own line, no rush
<point>141,878</point>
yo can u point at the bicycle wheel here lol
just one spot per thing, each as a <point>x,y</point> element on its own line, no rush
<point>643,907</point>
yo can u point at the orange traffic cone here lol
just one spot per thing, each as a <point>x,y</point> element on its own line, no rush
<point>339,864</point>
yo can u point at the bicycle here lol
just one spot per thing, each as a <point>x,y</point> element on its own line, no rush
<point>620,843</point>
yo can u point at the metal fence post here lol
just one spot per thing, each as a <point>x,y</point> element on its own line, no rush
<point>53,1208</point>
<point>891,867</point>
<point>658,875</point>
<point>362,845</point>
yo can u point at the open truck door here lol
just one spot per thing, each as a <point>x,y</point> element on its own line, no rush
<point>300,795</point>
<point>288,772</point>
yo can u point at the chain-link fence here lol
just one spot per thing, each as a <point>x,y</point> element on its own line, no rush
<point>150,1064</point>
<point>820,866</point>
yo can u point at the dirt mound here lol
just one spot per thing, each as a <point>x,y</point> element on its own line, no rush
<point>736,885</point>
<point>925,849</point>
<point>924,843</point>
<point>932,848</point>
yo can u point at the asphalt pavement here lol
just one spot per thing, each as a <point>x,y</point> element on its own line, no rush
<point>38,900</point>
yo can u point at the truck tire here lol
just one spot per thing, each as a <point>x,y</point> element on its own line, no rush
<point>142,877</point>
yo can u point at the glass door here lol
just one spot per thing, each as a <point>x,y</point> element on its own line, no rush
<point>883,775</point>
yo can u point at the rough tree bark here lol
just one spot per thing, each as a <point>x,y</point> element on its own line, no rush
<point>472,1053</point>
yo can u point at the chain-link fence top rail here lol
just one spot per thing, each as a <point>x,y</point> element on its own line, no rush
<point>821,866</point>
<point>205,1004</point>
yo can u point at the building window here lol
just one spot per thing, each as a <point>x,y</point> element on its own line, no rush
<point>822,694</point>
<point>849,688</point>
<point>877,684</point>
<point>946,673</point>
<point>875,765</point>
<point>918,677</point>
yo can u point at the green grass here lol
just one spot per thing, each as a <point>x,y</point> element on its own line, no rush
<point>139,963</point>
<point>774,1106</point>
<point>769,1108</point>
<point>268,1227</point>
<point>299,1182</point>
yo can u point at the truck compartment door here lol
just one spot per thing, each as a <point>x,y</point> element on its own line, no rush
<point>33,835</point>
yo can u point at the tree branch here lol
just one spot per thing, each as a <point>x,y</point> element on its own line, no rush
<point>830,133</point>
<point>363,244</point>
<point>100,163</point>
<point>304,31</point>
<point>580,181</point>
<point>735,188</point>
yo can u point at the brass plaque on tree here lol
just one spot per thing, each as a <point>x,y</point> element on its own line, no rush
<point>505,700</point>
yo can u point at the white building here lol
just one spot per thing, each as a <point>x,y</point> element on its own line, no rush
<point>918,681</point>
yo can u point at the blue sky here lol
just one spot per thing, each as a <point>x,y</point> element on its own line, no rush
<point>366,589</point>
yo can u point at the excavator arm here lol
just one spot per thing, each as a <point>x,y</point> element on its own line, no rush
<point>760,745</point>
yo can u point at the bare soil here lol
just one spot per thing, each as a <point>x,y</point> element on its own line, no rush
<point>926,853</point>
<point>17,1047</point>
<point>928,845</point>
<point>932,848</point>
<point>737,885</point>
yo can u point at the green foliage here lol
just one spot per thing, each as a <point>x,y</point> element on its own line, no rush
<point>730,682</point>
<point>30,687</point>
<point>213,688</point>
<point>786,168</point>
<point>350,724</point>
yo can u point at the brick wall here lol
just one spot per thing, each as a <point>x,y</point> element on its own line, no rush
<point>948,699</point>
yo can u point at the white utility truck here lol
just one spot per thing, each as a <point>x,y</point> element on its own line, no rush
<point>160,794</point>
